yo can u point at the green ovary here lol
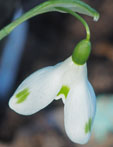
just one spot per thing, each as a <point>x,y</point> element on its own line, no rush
<point>81,52</point>
<point>88,126</point>
<point>22,95</point>
<point>64,90</point>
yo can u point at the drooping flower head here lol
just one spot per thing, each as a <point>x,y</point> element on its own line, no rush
<point>68,81</point>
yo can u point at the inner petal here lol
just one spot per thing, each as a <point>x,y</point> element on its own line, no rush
<point>63,92</point>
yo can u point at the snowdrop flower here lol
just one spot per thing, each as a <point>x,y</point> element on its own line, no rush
<point>68,81</point>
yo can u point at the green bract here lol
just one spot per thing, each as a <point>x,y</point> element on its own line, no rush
<point>81,52</point>
<point>49,6</point>
<point>78,6</point>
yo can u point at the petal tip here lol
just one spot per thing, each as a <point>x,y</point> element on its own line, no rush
<point>78,138</point>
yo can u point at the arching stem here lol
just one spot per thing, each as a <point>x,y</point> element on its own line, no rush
<point>79,18</point>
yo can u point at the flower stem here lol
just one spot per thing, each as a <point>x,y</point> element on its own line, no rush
<point>40,9</point>
<point>79,18</point>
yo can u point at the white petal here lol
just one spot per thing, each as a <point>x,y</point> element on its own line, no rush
<point>79,111</point>
<point>72,73</point>
<point>41,87</point>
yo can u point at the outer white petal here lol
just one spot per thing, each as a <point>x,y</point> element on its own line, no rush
<point>43,86</point>
<point>79,108</point>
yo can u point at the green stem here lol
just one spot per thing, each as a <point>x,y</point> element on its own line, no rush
<point>40,9</point>
<point>79,18</point>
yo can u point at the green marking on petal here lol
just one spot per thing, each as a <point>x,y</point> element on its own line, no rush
<point>90,123</point>
<point>88,126</point>
<point>64,90</point>
<point>22,95</point>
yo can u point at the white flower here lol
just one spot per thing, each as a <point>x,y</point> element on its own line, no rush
<point>65,80</point>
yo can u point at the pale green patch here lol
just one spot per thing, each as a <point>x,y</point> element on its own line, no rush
<point>88,126</point>
<point>64,90</point>
<point>22,95</point>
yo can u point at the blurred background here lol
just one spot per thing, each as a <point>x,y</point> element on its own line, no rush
<point>46,40</point>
